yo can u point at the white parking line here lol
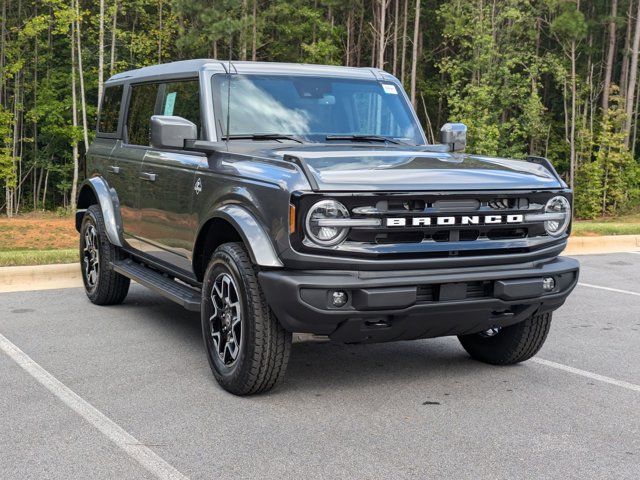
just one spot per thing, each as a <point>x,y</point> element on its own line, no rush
<point>584,373</point>
<point>139,452</point>
<point>617,290</point>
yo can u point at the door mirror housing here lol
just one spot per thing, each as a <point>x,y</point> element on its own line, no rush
<point>454,135</point>
<point>171,132</point>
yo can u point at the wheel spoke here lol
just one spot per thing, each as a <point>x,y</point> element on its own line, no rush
<point>225,323</point>
<point>91,256</point>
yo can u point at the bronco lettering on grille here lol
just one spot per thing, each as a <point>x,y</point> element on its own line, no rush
<point>457,220</point>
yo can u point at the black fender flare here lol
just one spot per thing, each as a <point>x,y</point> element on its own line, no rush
<point>255,238</point>
<point>107,198</point>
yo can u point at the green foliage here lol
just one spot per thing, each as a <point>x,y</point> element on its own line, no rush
<point>494,74</point>
<point>605,184</point>
<point>503,67</point>
<point>7,172</point>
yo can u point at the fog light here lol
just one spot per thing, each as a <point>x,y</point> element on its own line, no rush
<point>339,298</point>
<point>548,284</point>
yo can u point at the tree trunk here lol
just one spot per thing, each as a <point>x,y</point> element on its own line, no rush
<point>634,140</point>
<point>243,32</point>
<point>100,52</point>
<point>114,26</point>
<point>254,35</point>
<point>374,31</point>
<point>348,46</point>
<point>44,193</point>
<point>83,103</point>
<point>359,39</point>
<point>395,36</point>
<point>624,74</point>
<point>3,29</point>
<point>11,190</point>
<point>74,112</point>
<point>572,131</point>
<point>633,73</point>
<point>382,33</point>
<point>405,19</point>
<point>414,60</point>
<point>611,49</point>
<point>160,27</point>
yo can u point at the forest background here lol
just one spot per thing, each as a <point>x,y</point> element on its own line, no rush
<point>555,78</point>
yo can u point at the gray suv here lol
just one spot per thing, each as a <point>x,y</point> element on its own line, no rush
<point>279,198</point>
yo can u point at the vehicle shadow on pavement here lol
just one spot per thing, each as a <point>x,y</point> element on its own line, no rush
<point>355,366</point>
<point>315,365</point>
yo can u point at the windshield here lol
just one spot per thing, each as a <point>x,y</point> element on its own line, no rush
<point>313,108</point>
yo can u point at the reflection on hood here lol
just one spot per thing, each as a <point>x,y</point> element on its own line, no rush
<point>340,168</point>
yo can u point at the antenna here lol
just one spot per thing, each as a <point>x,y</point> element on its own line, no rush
<point>229,87</point>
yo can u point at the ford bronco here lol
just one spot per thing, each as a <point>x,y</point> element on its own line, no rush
<point>279,198</point>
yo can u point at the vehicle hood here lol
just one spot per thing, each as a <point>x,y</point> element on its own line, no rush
<point>414,169</point>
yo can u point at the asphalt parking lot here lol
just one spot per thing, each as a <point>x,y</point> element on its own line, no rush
<point>147,405</point>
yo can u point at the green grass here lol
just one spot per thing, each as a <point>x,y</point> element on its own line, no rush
<point>623,225</point>
<point>12,258</point>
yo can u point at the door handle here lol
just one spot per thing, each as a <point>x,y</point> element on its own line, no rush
<point>113,169</point>
<point>149,177</point>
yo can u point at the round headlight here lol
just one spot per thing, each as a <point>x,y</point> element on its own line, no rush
<point>560,211</point>
<point>318,223</point>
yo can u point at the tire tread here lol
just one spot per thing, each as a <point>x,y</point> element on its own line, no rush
<point>513,344</point>
<point>112,287</point>
<point>269,355</point>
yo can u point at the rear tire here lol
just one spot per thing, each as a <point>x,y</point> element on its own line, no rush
<point>509,345</point>
<point>103,285</point>
<point>247,348</point>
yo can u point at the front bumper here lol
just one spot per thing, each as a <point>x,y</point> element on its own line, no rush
<point>403,305</point>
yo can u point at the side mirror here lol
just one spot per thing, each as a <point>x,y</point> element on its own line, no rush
<point>171,132</point>
<point>455,136</point>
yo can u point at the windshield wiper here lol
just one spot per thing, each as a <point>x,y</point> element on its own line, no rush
<point>264,136</point>
<point>365,138</point>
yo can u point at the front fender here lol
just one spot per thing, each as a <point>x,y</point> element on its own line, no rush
<point>96,189</point>
<point>254,236</point>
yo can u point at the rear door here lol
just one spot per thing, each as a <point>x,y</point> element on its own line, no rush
<point>130,153</point>
<point>99,157</point>
<point>168,180</point>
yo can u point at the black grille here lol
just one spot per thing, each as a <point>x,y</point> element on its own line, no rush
<point>459,205</point>
<point>475,236</point>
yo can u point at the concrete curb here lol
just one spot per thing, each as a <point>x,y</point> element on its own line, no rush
<point>46,277</point>
<point>603,244</point>
<point>40,277</point>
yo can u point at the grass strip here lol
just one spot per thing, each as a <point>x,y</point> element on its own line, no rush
<point>14,258</point>
<point>592,228</point>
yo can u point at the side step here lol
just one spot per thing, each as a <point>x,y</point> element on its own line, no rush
<point>178,292</point>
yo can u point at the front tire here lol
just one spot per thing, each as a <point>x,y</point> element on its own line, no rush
<point>103,285</point>
<point>509,345</point>
<point>247,348</point>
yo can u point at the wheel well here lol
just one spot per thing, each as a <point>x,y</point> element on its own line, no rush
<point>86,198</point>
<point>213,234</point>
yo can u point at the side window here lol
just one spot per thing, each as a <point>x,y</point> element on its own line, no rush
<point>141,108</point>
<point>110,110</point>
<point>181,99</point>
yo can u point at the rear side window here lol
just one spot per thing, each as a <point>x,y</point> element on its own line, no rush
<point>141,108</point>
<point>181,99</point>
<point>110,110</point>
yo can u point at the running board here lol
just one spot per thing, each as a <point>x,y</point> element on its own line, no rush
<point>153,280</point>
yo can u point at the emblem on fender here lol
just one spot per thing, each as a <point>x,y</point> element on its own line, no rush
<point>198,186</point>
<point>454,220</point>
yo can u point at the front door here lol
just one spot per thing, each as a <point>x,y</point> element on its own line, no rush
<point>168,184</point>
